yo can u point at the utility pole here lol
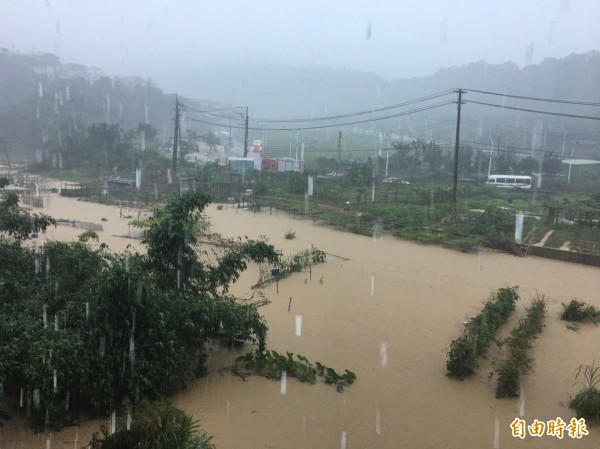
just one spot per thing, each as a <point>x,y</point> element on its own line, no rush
<point>340,148</point>
<point>175,140</point>
<point>246,135</point>
<point>456,144</point>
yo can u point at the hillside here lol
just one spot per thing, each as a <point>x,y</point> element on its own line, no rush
<point>42,100</point>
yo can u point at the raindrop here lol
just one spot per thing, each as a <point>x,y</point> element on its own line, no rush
<point>102,345</point>
<point>68,92</point>
<point>138,178</point>
<point>372,284</point>
<point>497,434</point>
<point>68,400</point>
<point>40,90</point>
<point>55,323</point>
<point>343,442</point>
<point>521,403</point>
<point>36,398</point>
<point>377,421</point>
<point>21,398</point>
<point>47,257</point>
<point>47,439</point>
<point>298,325</point>
<point>87,310</point>
<point>443,30</point>
<point>127,262</point>
<point>480,257</point>
<point>519,227</point>
<point>228,408</point>
<point>132,353</point>
<point>377,229</point>
<point>129,417</point>
<point>37,265</point>
<point>283,382</point>
<point>45,315</point>
<point>54,381</point>
<point>383,354</point>
<point>169,176</point>
<point>178,278</point>
<point>113,422</point>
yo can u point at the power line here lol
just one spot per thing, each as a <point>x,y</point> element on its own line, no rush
<point>536,111</point>
<point>549,100</point>
<point>354,114</point>
<point>300,128</point>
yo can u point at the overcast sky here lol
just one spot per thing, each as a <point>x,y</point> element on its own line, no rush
<point>393,38</point>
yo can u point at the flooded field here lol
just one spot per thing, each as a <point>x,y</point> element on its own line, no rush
<point>387,310</point>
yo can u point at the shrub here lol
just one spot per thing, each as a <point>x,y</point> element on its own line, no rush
<point>158,425</point>
<point>479,333</point>
<point>580,311</point>
<point>290,235</point>
<point>518,342</point>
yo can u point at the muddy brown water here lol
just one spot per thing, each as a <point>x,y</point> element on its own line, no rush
<point>388,314</point>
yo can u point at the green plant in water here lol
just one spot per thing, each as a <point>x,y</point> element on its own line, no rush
<point>271,364</point>
<point>580,311</point>
<point>518,342</point>
<point>479,333</point>
<point>155,426</point>
<point>290,235</point>
<point>586,403</point>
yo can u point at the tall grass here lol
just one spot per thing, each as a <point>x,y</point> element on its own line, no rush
<point>587,402</point>
<point>479,332</point>
<point>518,342</point>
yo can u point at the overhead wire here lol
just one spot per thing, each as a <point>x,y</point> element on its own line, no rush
<point>524,97</point>
<point>355,114</point>
<point>536,111</point>
<point>300,128</point>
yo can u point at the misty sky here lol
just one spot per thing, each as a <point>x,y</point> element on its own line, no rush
<point>393,38</point>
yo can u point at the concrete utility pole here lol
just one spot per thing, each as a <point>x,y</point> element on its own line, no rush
<point>456,144</point>
<point>175,140</point>
<point>246,135</point>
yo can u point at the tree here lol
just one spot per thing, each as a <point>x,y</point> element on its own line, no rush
<point>529,165</point>
<point>19,224</point>
<point>552,165</point>
<point>85,323</point>
<point>211,140</point>
<point>148,130</point>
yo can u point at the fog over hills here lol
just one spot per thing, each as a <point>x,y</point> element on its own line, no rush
<point>42,98</point>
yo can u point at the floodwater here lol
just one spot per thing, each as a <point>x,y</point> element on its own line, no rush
<point>387,310</point>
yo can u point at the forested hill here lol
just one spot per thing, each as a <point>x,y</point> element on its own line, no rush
<point>272,90</point>
<point>42,100</point>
